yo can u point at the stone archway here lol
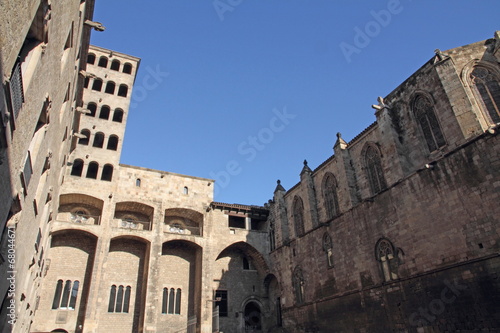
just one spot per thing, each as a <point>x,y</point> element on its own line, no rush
<point>252,317</point>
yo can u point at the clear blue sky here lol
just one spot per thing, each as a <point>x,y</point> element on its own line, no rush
<point>254,87</point>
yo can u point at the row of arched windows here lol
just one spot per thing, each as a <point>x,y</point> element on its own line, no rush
<point>110,88</point>
<point>119,299</point>
<point>376,180</point>
<point>105,112</point>
<point>65,295</point>
<point>171,302</point>
<point>386,254</point>
<point>92,170</point>
<point>115,64</point>
<point>98,140</point>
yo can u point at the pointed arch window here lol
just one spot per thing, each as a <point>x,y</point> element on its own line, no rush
<point>328,249</point>
<point>298,285</point>
<point>385,254</point>
<point>298,216</point>
<point>427,120</point>
<point>330,196</point>
<point>374,171</point>
<point>487,87</point>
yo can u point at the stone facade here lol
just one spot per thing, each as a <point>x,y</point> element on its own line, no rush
<point>43,46</point>
<point>397,231</point>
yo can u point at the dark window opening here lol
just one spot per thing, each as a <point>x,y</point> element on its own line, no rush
<point>84,141</point>
<point>118,115</point>
<point>127,68</point>
<point>103,62</point>
<point>77,168</point>
<point>92,170</point>
<point>104,114</point>
<point>112,142</point>
<point>123,90</point>
<point>92,107</point>
<point>98,140</point>
<point>86,83</point>
<point>236,222</point>
<point>91,58</point>
<point>115,65</point>
<point>97,85</point>
<point>110,88</point>
<point>221,302</point>
<point>107,172</point>
<point>65,298</point>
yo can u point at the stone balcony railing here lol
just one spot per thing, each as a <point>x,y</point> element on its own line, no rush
<point>182,230</point>
<point>79,218</point>
<point>133,225</point>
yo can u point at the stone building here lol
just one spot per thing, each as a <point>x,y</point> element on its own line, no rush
<point>43,47</point>
<point>399,229</point>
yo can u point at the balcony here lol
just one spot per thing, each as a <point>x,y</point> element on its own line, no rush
<point>181,229</point>
<point>129,223</point>
<point>79,218</point>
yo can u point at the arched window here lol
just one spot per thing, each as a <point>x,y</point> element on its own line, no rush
<point>112,142</point>
<point>103,62</point>
<point>426,118</point>
<point>178,302</point>
<point>112,299</point>
<point>123,90</point>
<point>330,196</point>
<point>107,172</point>
<point>92,170</point>
<point>127,68</point>
<point>118,115</point>
<point>164,302</point>
<point>385,254</point>
<point>97,85</point>
<point>185,190</point>
<point>84,141</point>
<point>110,88</point>
<point>77,168</point>
<point>138,182</point>
<point>92,107</point>
<point>374,171</point>
<point>487,87</point>
<point>104,114</point>
<point>328,249</point>
<point>171,301</point>
<point>298,216</point>
<point>65,297</point>
<point>298,285</point>
<point>115,65</point>
<point>91,58</point>
<point>98,140</point>
<point>119,300</point>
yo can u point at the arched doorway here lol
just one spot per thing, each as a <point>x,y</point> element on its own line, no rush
<point>253,317</point>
